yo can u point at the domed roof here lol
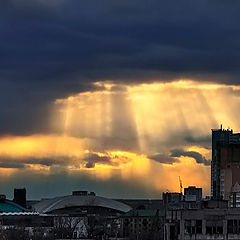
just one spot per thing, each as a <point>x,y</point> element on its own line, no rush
<point>10,207</point>
<point>49,205</point>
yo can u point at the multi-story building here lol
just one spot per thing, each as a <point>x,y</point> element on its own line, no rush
<point>193,193</point>
<point>203,224</point>
<point>171,197</point>
<point>144,224</point>
<point>224,165</point>
<point>234,198</point>
<point>229,155</point>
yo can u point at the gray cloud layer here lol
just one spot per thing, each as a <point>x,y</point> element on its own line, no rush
<point>195,155</point>
<point>52,49</point>
<point>161,158</point>
<point>176,153</point>
<point>19,162</point>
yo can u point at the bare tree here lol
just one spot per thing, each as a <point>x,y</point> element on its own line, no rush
<point>13,232</point>
<point>65,226</point>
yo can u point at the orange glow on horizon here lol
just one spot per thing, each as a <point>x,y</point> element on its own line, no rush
<point>118,126</point>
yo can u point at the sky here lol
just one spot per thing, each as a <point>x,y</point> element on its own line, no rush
<point>115,97</point>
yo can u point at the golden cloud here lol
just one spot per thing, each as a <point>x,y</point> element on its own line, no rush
<point>122,127</point>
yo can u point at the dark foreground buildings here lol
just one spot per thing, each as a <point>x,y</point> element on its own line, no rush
<point>202,224</point>
<point>84,215</point>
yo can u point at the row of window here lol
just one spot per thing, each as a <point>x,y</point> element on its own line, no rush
<point>193,226</point>
<point>144,221</point>
<point>212,227</point>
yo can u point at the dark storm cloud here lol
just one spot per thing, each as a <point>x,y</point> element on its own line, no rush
<point>192,154</point>
<point>89,160</point>
<point>161,158</point>
<point>20,163</point>
<point>12,165</point>
<point>93,158</point>
<point>51,49</point>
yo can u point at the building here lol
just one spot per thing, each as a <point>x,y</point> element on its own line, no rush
<point>203,224</point>
<point>7,206</point>
<point>15,221</point>
<point>89,215</point>
<point>234,198</point>
<point>224,143</point>
<point>174,201</point>
<point>193,193</point>
<point>172,197</point>
<point>147,224</point>
<point>80,204</point>
<point>229,155</point>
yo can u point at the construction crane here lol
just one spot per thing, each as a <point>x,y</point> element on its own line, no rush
<point>181,185</point>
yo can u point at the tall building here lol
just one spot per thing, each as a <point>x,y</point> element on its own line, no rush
<point>229,155</point>
<point>225,162</point>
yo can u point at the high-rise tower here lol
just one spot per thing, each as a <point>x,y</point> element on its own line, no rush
<point>222,142</point>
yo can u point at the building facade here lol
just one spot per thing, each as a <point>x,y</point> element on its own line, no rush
<point>224,165</point>
<point>144,224</point>
<point>171,197</point>
<point>202,224</point>
<point>193,193</point>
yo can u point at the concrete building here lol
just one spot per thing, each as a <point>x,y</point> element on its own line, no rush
<point>179,201</point>
<point>171,197</point>
<point>145,224</point>
<point>193,193</point>
<point>234,198</point>
<point>229,158</point>
<point>202,224</point>
<point>224,165</point>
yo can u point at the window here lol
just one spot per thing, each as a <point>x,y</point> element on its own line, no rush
<point>199,226</point>
<point>233,226</point>
<point>230,226</point>
<point>193,226</point>
<point>219,230</point>
<point>145,222</point>
<point>214,227</point>
<point>208,230</point>
<point>188,226</point>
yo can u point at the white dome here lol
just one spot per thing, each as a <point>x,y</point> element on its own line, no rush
<point>49,205</point>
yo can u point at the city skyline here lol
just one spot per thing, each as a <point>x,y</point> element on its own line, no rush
<point>118,98</point>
